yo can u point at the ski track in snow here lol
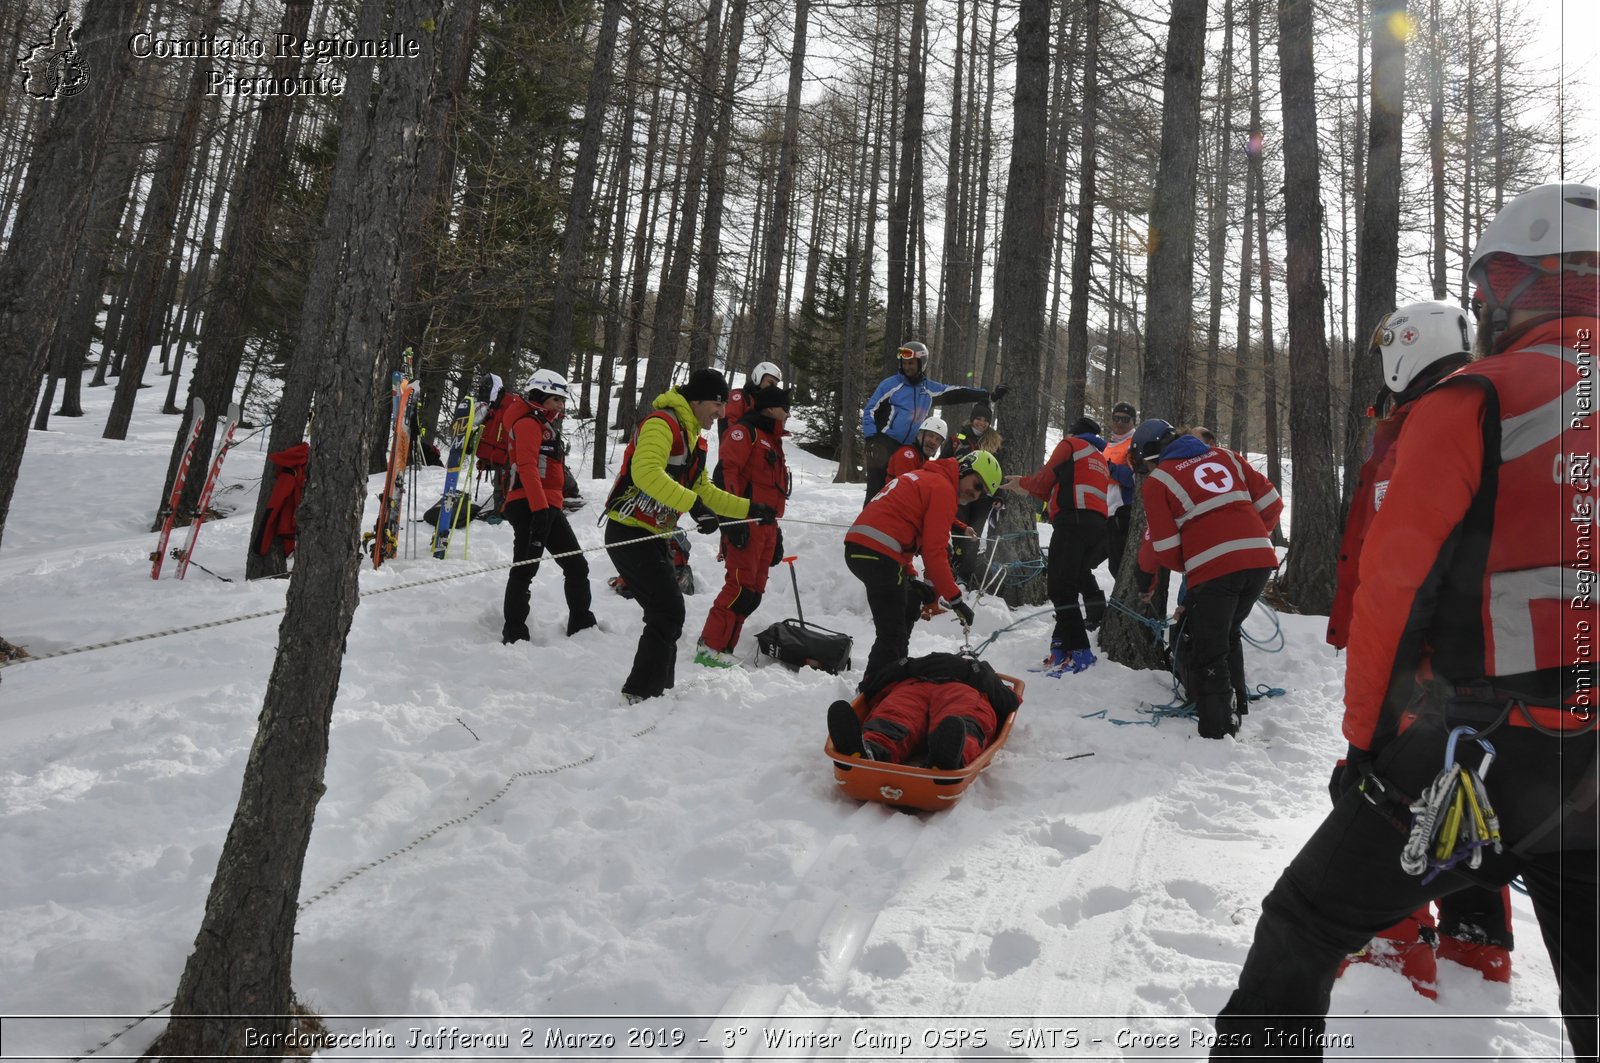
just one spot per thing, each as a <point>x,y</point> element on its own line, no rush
<point>705,868</point>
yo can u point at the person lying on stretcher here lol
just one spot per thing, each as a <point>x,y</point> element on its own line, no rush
<point>944,704</point>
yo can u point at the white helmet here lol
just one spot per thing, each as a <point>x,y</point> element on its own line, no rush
<point>761,372</point>
<point>548,382</point>
<point>1538,228</point>
<point>1416,336</point>
<point>1552,219</point>
<point>936,425</point>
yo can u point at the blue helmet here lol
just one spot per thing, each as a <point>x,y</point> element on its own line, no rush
<point>1151,436</point>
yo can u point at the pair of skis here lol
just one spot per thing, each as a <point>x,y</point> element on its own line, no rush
<point>169,516</point>
<point>463,461</point>
<point>385,540</point>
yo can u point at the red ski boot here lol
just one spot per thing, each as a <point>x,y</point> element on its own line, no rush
<point>1406,947</point>
<point>1491,961</point>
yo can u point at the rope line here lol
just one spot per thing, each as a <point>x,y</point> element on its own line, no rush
<point>349,876</point>
<point>368,593</point>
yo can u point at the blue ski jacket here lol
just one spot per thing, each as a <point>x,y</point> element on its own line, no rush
<point>898,406</point>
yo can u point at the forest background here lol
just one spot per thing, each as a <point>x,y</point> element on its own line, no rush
<point>1199,207</point>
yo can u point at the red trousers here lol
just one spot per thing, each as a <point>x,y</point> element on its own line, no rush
<point>902,719</point>
<point>742,590</point>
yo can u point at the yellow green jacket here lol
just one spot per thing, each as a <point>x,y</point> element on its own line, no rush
<point>647,495</point>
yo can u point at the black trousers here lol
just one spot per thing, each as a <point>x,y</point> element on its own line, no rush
<point>875,460</point>
<point>1346,885</point>
<point>1214,670</point>
<point>893,605</point>
<point>1077,544</point>
<point>1117,535</point>
<point>533,534</point>
<point>647,568</point>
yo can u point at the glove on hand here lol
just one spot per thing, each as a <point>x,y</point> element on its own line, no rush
<point>1357,764</point>
<point>959,607</point>
<point>763,514</point>
<point>777,550</point>
<point>924,591</point>
<point>704,519</point>
<point>573,504</point>
<point>738,535</point>
<point>998,392</point>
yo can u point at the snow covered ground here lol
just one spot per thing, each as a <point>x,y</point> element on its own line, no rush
<point>683,868</point>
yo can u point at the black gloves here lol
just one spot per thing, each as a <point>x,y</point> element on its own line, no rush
<point>962,610</point>
<point>924,591</point>
<point>1357,765</point>
<point>998,392</point>
<point>762,513</point>
<point>777,550</point>
<point>704,519</point>
<point>738,535</point>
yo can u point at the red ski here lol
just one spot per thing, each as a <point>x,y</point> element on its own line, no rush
<point>224,443</point>
<point>386,534</point>
<point>197,420</point>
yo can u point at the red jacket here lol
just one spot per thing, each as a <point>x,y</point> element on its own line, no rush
<point>279,521</point>
<point>906,459</point>
<point>1372,484</point>
<point>753,464</point>
<point>1209,513</point>
<point>1078,466</point>
<point>537,454</point>
<point>1466,571</point>
<point>913,514</point>
<point>738,406</point>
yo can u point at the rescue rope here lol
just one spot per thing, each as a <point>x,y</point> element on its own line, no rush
<point>368,593</point>
<point>354,873</point>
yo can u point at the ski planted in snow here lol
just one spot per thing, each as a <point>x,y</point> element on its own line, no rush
<point>197,421</point>
<point>224,444</point>
<point>463,453</point>
<point>386,534</point>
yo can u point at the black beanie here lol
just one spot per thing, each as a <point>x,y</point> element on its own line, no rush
<point>705,385</point>
<point>981,409</point>
<point>768,397</point>
<point>1085,425</point>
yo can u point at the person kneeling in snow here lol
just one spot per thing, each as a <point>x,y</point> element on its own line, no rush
<point>953,703</point>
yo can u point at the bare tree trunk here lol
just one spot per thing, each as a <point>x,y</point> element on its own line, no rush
<point>777,240</point>
<point>1218,248</point>
<point>1269,351</point>
<point>1378,239</point>
<point>237,980</point>
<point>1308,576</point>
<point>705,295</point>
<point>1077,382</point>
<point>1025,252</point>
<point>166,194</point>
<point>1169,314</point>
<point>619,232</point>
<point>897,327</point>
<point>1239,425</point>
<point>1441,285</point>
<point>643,251</point>
<point>558,354</point>
<point>222,335</point>
<point>36,268</point>
<point>328,263</point>
<point>668,321</point>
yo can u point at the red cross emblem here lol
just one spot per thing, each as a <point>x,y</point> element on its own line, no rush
<point>1409,335</point>
<point>1214,478</point>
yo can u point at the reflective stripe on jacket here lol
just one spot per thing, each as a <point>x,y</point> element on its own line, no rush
<point>913,514</point>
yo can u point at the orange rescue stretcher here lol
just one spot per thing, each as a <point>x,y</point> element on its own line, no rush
<point>907,786</point>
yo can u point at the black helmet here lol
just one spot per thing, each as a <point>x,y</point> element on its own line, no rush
<point>1151,436</point>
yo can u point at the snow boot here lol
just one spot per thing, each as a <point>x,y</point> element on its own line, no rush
<point>945,745</point>
<point>1491,961</point>
<point>1406,947</point>
<point>580,622</point>
<point>520,633</point>
<point>845,730</point>
<point>1055,661</point>
<point>710,658</point>
<point>1076,661</point>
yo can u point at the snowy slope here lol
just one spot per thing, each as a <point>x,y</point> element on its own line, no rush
<point>686,859</point>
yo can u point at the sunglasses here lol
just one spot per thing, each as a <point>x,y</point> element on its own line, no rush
<point>1121,417</point>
